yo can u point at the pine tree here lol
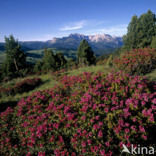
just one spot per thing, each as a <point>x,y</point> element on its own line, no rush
<point>85,54</point>
<point>38,66</point>
<point>60,60</point>
<point>140,31</point>
<point>15,57</point>
<point>48,60</point>
<point>146,31</point>
<point>130,40</point>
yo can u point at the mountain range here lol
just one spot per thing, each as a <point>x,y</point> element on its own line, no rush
<point>100,43</point>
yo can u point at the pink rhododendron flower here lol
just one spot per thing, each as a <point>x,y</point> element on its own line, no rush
<point>28,154</point>
<point>154,101</point>
<point>100,134</point>
<point>83,144</point>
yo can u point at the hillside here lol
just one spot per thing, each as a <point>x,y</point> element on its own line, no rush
<point>68,105</point>
<point>101,44</point>
<point>75,109</point>
<point>78,95</point>
<point>34,55</point>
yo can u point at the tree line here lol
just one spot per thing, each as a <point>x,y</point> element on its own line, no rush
<point>141,32</point>
<point>15,63</point>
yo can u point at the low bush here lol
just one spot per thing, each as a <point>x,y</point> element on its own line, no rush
<point>20,87</point>
<point>85,115</point>
<point>57,75</point>
<point>137,61</point>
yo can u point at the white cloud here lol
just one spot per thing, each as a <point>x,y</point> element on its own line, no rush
<point>117,30</point>
<point>74,26</point>
<point>36,38</point>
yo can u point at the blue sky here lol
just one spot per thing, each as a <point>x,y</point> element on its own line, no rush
<point>44,19</point>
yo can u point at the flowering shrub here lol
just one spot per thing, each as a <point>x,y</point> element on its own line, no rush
<point>137,61</point>
<point>58,74</point>
<point>85,115</point>
<point>20,87</point>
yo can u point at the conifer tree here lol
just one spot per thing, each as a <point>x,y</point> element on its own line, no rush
<point>15,57</point>
<point>60,60</point>
<point>153,44</point>
<point>130,40</point>
<point>85,54</point>
<point>48,60</point>
<point>140,31</point>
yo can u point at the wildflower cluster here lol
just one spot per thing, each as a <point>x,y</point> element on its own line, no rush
<point>20,87</point>
<point>85,115</point>
<point>137,61</point>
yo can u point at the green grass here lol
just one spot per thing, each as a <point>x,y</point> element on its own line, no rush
<point>93,69</point>
<point>35,55</point>
<point>152,75</point>
<point>48,82</point>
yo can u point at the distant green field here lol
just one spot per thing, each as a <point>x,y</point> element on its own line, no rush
<point>34,55</point>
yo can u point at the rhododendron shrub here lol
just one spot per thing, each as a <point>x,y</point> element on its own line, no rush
<point>20,87</point>
<point>137,61</point>
<point>85,115</point>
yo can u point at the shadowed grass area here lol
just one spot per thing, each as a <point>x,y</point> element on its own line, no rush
<point>5,101</point>
<point>5,105</point>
